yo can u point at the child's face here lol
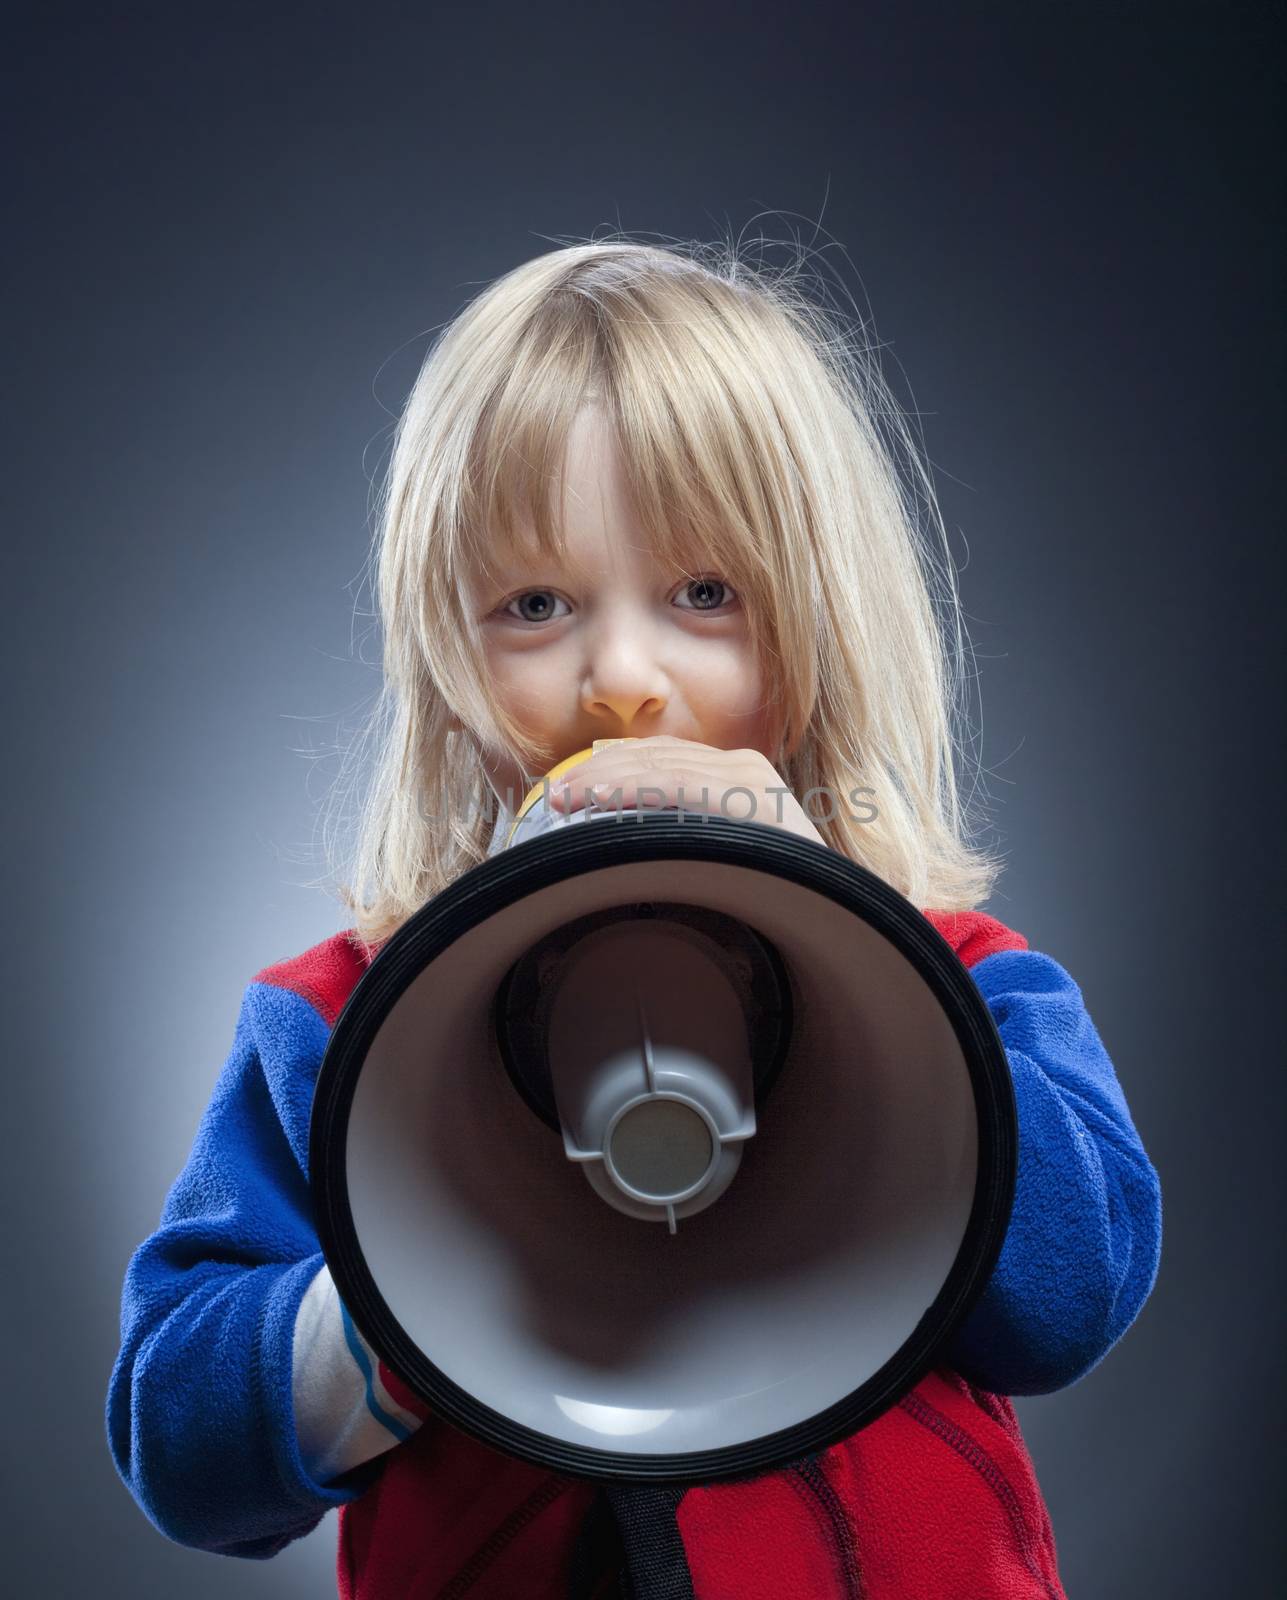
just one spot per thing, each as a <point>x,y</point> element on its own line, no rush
<point>612,645</point>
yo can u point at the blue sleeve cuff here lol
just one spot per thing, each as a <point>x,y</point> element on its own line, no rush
<point>1081,1252</point>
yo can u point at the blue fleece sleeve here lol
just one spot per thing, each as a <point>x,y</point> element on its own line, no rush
<point>1081,1253</point>
<point>199,1412</point>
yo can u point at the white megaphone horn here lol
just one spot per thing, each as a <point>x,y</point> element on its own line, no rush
<point>662,1148</point>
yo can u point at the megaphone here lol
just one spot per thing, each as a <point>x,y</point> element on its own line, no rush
<point>662,1148</point>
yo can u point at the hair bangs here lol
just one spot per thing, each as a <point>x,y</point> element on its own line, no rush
<point>515,456</point>
<point>704,450</point>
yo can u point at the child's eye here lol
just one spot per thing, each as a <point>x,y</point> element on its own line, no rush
<point>544,612</point>
<point>714,593</point>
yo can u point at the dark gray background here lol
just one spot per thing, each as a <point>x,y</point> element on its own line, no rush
<point>228,238</point>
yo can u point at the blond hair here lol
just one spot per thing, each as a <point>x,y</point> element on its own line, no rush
<point>755,427</point>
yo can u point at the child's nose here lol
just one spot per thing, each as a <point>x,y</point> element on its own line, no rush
<point>625,678</point>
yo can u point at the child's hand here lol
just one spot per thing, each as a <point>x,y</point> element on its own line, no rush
<point>664,771</point>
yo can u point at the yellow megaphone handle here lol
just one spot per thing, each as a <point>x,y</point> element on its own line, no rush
<point>537,789</point>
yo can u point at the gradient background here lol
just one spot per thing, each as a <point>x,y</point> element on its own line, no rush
<point>228,239</point>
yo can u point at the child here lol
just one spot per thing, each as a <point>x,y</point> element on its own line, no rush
<point>647,495</point>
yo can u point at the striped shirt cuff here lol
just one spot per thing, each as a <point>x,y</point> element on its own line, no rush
<point>348,1406</point>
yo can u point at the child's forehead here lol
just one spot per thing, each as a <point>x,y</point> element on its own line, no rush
<point>504,560</point>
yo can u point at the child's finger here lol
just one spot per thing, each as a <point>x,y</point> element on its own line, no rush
<point>649,788</point>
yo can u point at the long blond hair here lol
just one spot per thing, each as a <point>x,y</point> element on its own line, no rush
<point>754,426</point>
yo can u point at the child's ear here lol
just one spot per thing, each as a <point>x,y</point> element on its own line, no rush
<point>454,724</point>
